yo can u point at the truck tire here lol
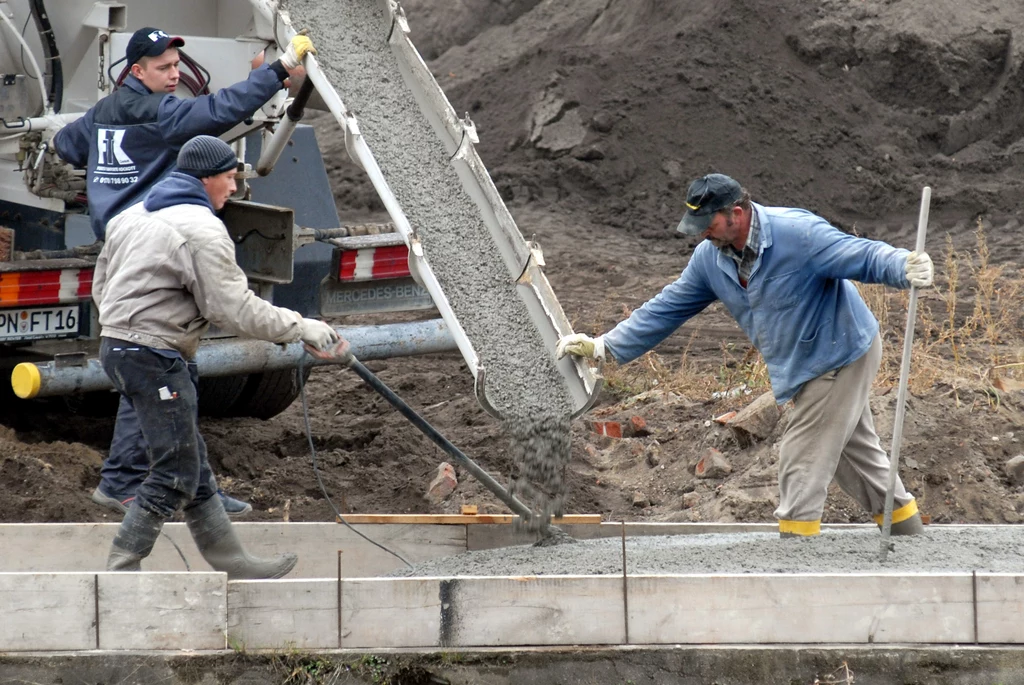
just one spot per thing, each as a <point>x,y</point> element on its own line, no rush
<point>269,393</point>
<point>218,395</point>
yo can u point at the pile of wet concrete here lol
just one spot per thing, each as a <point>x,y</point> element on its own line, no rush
<point>523,384</point>
<point>939,549</point>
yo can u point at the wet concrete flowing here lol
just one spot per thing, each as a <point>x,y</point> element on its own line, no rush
<point>940,549</point>
<point>522,382</point>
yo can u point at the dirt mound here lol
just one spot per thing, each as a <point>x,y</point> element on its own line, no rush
<point>593,117</point>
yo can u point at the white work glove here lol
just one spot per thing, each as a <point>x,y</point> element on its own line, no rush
<point>318,335</point>
<point>581,345</point>
<point>297,49</point>
<point>920,270</point>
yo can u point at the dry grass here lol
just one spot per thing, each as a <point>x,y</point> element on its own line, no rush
<point>967,339</point>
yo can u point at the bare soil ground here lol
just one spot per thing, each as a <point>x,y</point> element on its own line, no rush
<point>594,115</point>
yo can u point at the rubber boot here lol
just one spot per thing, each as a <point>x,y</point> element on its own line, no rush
<point>911,526</point>
<point>219,544</point>
<point>134,540</point>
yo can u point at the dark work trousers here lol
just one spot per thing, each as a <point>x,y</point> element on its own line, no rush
<point>162,391</point>
<point>127,465</point>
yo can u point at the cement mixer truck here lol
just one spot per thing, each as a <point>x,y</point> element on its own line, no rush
<point>57,61</point>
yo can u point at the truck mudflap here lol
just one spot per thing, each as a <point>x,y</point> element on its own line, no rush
<point>522,260</point>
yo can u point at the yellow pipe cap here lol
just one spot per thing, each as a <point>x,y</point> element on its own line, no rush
<point>26,380</point>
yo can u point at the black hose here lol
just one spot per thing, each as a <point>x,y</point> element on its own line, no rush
<point>52,54</point>
<point>298,107</point>
<point>485,478</point>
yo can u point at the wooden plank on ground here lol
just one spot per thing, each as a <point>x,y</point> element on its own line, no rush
<point>459,519</point>
<point>821,608</point>
<point>47,547</point>
<point>1000,607</point>
<point>546,610</point>
<point>47,611</point>
<point>162,610</point>
<point>283,614</point>
<point>393,612</point>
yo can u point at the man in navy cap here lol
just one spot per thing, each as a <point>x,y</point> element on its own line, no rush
<point>785,276</point>
<point>127,142</point>
<point>166,272</point>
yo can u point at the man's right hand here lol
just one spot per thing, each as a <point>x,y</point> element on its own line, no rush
<point>318,335</point>
<point>299,47</point>
<point>580,345</point>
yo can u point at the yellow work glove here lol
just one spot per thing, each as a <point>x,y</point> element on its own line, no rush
<point>297,49</point>
<point>920,271</point>
<point>580,345</point>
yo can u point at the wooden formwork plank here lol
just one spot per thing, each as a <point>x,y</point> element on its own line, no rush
<point>390,612</point>
<point>545,610</point>
<point>46,547</point>
<point>460,519</point>
<point>1000,607</point>
<point>283,614</point>
<point>162,610</point>
<point>822,608</point>
<point>47,611</point>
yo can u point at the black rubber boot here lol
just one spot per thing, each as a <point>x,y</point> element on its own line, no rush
<point>219,544</point>
<point>134,540</point>
<point>911,526</point>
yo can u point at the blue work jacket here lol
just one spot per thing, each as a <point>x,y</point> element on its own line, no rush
<point>130,139</point>
<point>799,307</point>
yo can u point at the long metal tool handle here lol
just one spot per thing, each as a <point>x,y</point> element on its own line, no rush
<point>408,412</point>
<point>901,396</point>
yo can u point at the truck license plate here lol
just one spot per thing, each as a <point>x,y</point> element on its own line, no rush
<point>39,322</point>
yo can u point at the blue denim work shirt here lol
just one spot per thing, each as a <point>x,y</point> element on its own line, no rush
<point>799,307</point>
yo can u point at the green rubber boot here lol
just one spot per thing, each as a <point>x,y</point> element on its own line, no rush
<point>219,544</point>
<point>134,540</point>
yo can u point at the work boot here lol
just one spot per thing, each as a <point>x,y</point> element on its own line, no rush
<point>234,507</point>
<point>911,526</point>
<point>112,502</point>
<point>219,544</point>
<point>134,540</point>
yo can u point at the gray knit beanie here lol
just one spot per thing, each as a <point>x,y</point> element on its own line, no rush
<point>205,156</point>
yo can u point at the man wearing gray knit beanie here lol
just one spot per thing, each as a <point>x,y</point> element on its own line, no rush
<point>166,272</point>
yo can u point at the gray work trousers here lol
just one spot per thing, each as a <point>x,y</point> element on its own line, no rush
<point>831,434</point>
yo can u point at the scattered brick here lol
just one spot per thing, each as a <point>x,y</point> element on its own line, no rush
<point>444,483</point>
<point>712,464</point>
<point>638,427</point>
<point>611,429</point>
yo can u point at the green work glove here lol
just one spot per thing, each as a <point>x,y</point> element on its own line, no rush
<point>297,49</point>
<point>581,345</point>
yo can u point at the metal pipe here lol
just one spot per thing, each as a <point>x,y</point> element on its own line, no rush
<point>421,424</point>
<point>55,121</point>
<point>901,394</point>
<point>285,128</point>
<point>235,356</point>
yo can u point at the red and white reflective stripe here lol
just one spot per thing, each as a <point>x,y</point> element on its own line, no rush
<point>32,288</point>
<point>373,263</point>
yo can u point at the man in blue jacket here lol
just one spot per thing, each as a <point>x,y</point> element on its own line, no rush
<point>784,274</point>
<point>127,142</point>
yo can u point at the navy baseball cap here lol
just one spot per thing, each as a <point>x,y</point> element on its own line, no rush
<point>150,42</point>
<point>707,195</point>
